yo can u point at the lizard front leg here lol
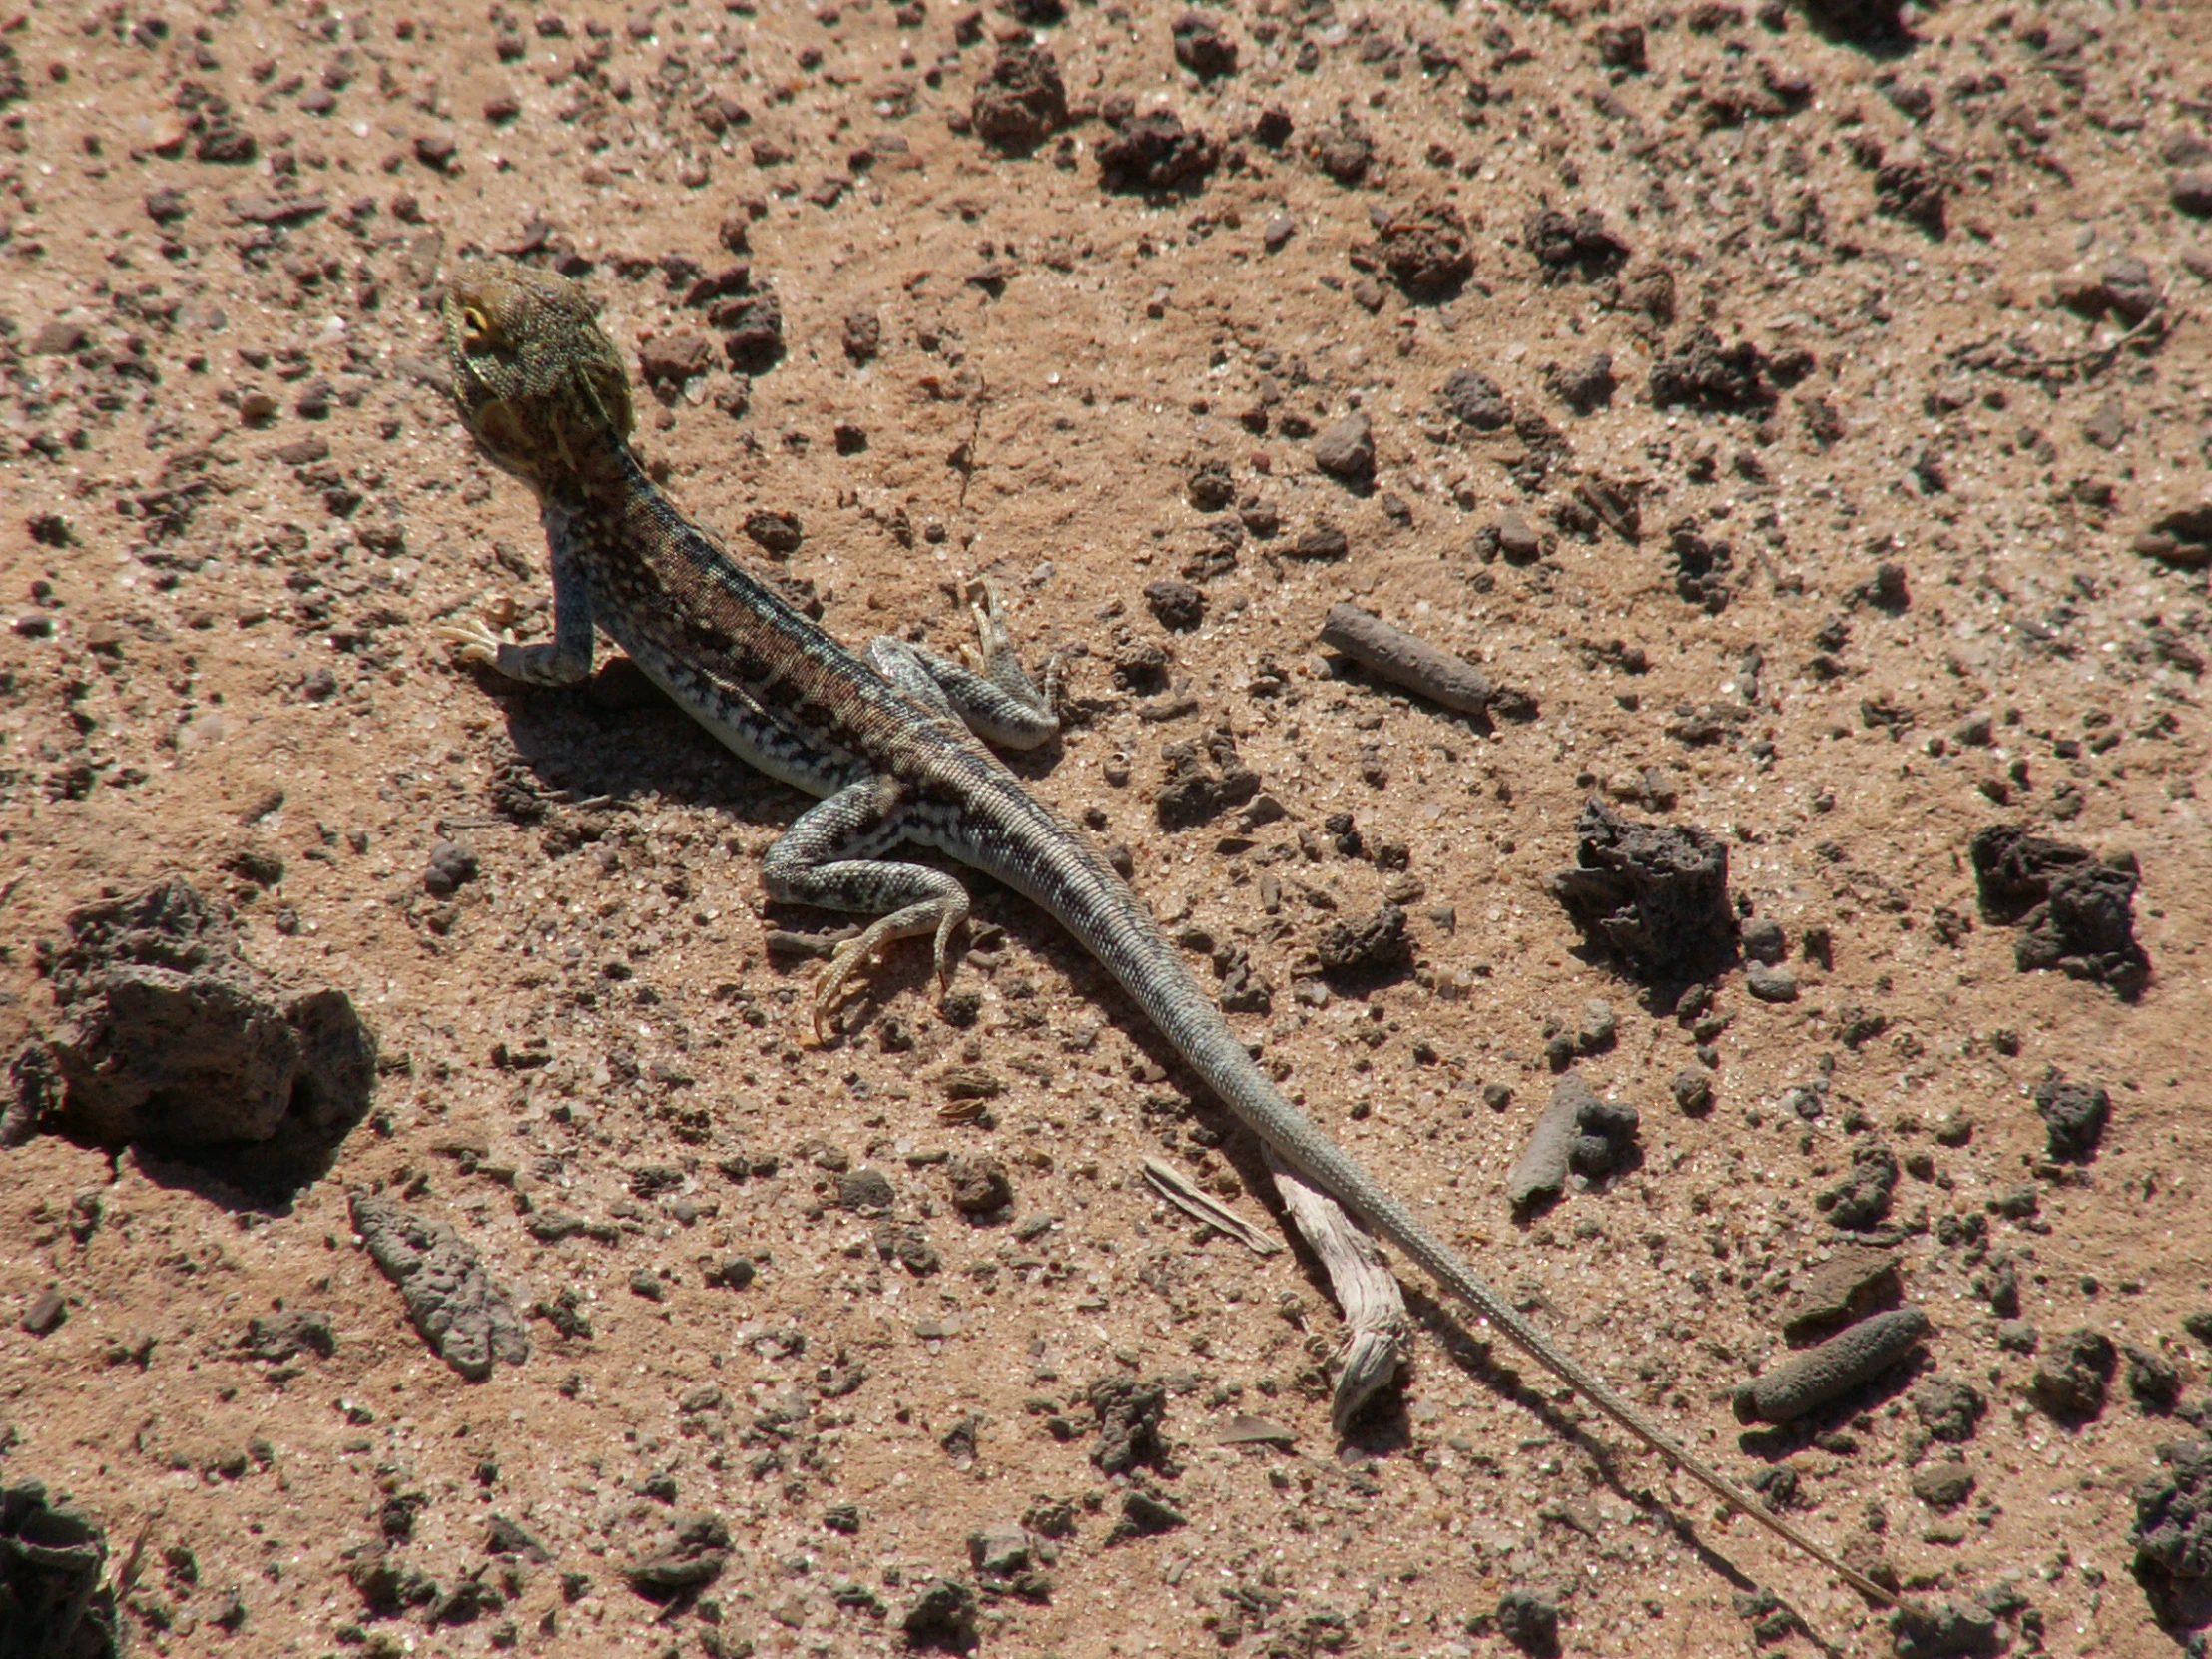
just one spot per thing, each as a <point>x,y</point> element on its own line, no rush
<point>565,660</point>
<point>999,704</point>
<point>828,857</point>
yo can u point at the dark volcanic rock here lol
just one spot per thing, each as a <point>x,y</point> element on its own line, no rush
<point>1202,48</point>
<point>2013,869</point>
<point>1344,151</point>
<point>1860,22</point>
<point>753,337</point>
<point>1475,398</point>
<point>1195,792</point>
<point>2087,931</point>
<point>52,1602</point>
<point>1656,893</point>
<point>1566,244</point>
<point>2078,914</point>
<point>979,1186</point>
<point>1529,1622</point>
<point>1862,1198</point>
<point>1367,949</point>
<point>1156,152</point>
<point>171,1038</point>
<point>467,1321</point>
<point>1129,1416</point>
<point>942,1616</point>
<point>695,1557</point>
<point>1586,387</point>
<point>1425,250</point>
<point>2071,1380</point>
<point>1023,101</point>
<point>1703,372</point>
<point>2173,1512</point>
<point>2182,538</point>
<point>1948,1407</point>
<point>1178,606</point>
<point>2074,1115</point>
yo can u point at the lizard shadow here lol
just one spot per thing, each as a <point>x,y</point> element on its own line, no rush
<point>1475,1357</point>
<point>619,737</point>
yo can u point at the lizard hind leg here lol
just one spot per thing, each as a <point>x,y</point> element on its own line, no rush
<point>831,858</point>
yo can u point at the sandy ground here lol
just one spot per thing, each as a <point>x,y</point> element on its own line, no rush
<point>237,506</point>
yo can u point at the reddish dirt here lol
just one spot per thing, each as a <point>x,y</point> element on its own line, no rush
<point>238,507</point>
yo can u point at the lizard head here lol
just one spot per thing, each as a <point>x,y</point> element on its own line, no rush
<point>537,382</point>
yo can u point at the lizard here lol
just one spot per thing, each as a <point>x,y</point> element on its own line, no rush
<point>891,741</point>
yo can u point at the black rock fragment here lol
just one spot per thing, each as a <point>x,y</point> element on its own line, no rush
<point>1587,386</point>
<point>2182,538</point>
<point>981,1186</point>
<point>1529,1621</point>
<point>2013,869</point>
<point>1475,398</point>
<point>1202,48</point>
<point>2071,1380</point>
<point>1178,606</point>
<point>1656,893</point>
<point>172,1039</point>
<point>1345,450</point>
<point>1945,1630</point>
<point>1144,1516</point>
<point>276,1338</point>
<point>1948,1407</point>
<point>1156,152</point>
<point>1365,950</point>
<point>1914,192</point>
<point>451,866</point>
<point>942,1616</point>
<point>695,1557</point>
<point>2074,1116</point>
<point>467,1321</point>
<point>2087,931</point>
<point>1024,100</point>
<point>1703,372</point>
<point>1129,1416</point>
<point>1857,22</point>
<point>2153,1380</point>
<point>1344,151</point>
<point>1195,792</point>
<point>2078,914</point>
<point>1427,250</point>
<point>1569,244</point>
<point>753,337</point>
<point>52,1602</point>
<point>1861,1198</point>
<point>2173,1512</point>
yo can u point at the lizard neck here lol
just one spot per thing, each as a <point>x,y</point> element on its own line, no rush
<point>596,470</point>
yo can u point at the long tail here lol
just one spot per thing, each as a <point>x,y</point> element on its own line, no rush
<point>1055,865</point>
<point>1257,1102</point>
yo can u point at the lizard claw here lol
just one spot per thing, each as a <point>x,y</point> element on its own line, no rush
<point>844,961</point>
<point>990,615</point>
<point>471,642</point>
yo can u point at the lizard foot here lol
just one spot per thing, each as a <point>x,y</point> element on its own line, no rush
<point>471,642</point>
<point>990,617</point>
<point>936,917</point>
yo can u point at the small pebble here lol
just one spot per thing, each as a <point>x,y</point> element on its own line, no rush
<point>1770,984</point>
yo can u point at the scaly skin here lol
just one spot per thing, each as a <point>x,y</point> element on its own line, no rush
<point>886,740</point>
